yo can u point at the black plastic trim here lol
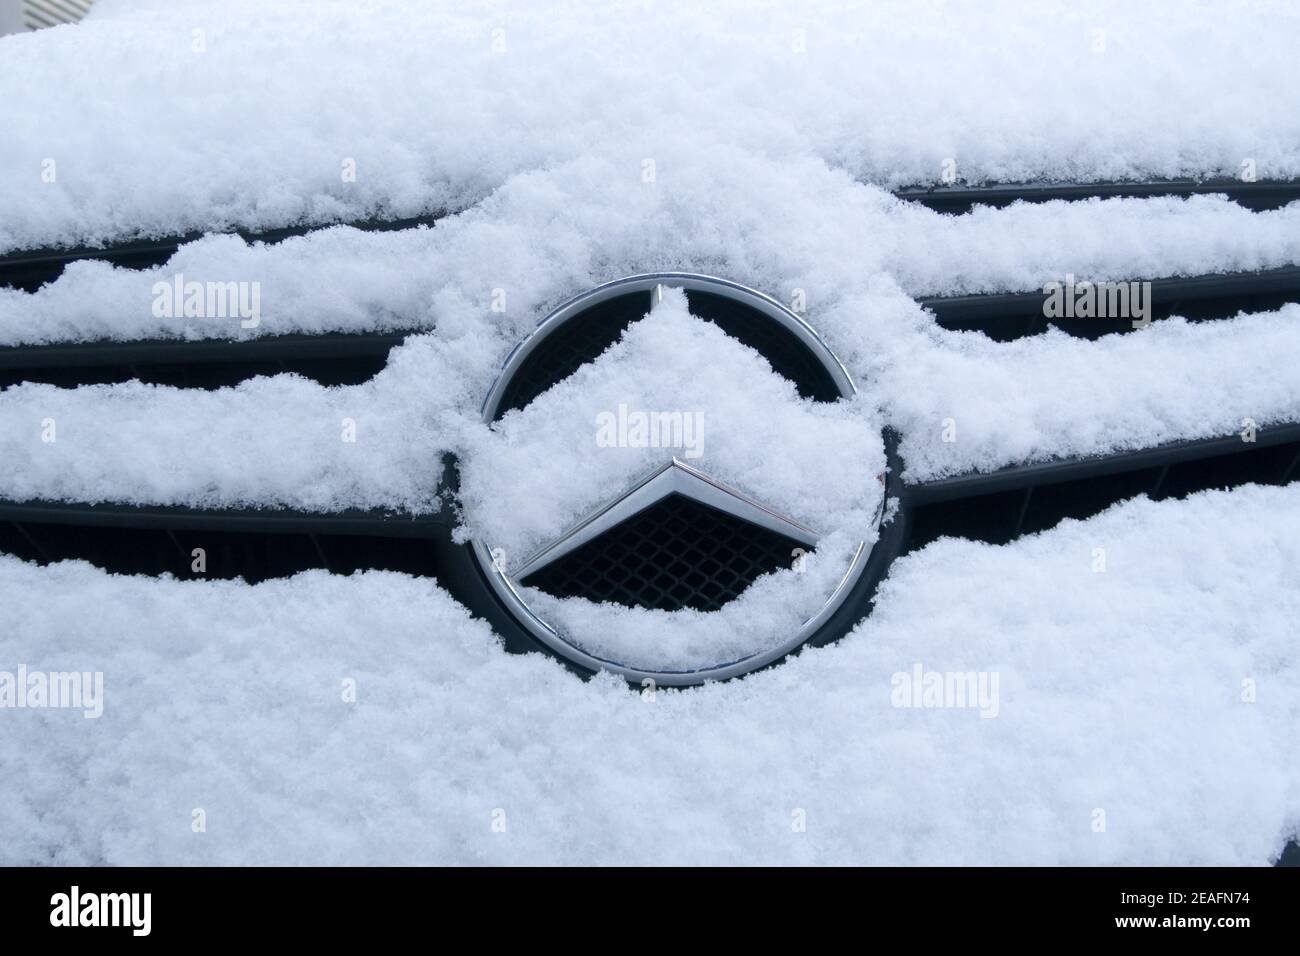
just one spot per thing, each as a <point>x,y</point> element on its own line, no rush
<point>1258,195</point>
<point>1020,477</point>
<point>30,269</point>
<point>331,345</point>
<point>246,520</point>
<point>1013,315</point>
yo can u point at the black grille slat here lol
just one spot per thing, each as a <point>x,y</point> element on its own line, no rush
<point>252,556</point>
<point>30,269</point>
<point>994,507</point>
<point>252,544</point>
<point>675,554</point>
<point>330,359</point>
<point>1019,477</point>
<point>1258,196</point>
<point>375,523</point>
<point>1014,315</point>
<point>1000,506</point>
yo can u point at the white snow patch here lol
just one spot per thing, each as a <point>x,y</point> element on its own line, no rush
<point>281,441</point>
<point>1025,245</point>
<point>1054,396</point>
<point>766,615</point>
<point>543,237</point>
<point>1120,691</point>
<point>547,235</point>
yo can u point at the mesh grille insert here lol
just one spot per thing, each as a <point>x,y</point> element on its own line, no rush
<point>675,554</point>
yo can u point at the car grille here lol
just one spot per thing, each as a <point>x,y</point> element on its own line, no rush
<point>1000,506</point>
<point>994,507</point>
<point>635,560</point>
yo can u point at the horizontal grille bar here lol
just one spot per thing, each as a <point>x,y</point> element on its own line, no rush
<point>1014,315</point>
<point>330,358</point>
<point>1002,505</point>
<point>203,352</point>
<point>349,358</point>
<point>994,507</point>
<point>253,520</point>
<point>1073,469</point>
<point>251,544</point>
<point>30,269</point>
<point>1258,195</point>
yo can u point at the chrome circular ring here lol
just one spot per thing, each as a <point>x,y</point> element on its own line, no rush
<point>504,587</point>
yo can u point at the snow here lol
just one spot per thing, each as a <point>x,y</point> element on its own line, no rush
<point>773,140</point>
<point>520,478</point>
<point>769,173</point>
<point>549,234</point>
<point>1021,247</point>
<point>1119,691</point>
<point>281,441</point>
<point>1054,396</point>
<point>546,236</point>
<point>246,113</point>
